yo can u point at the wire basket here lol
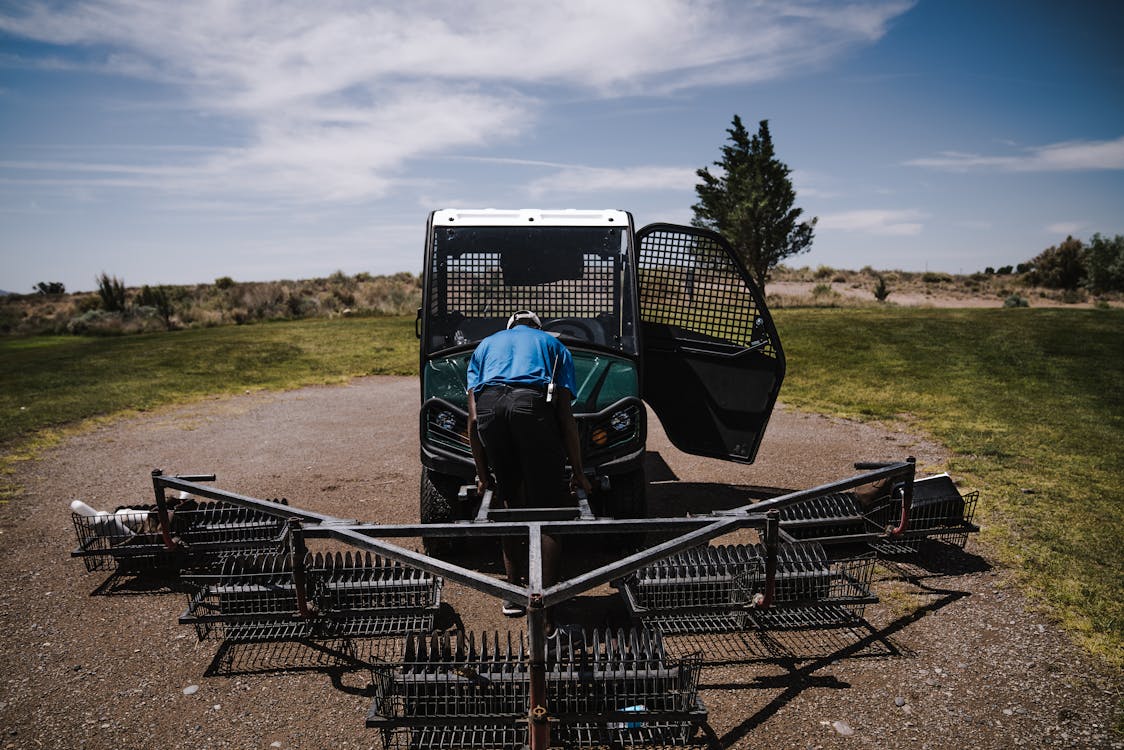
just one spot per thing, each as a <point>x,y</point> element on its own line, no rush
<point>611,689</point>
<point>835,517</point>
<point>262,598</point>
<point>205,532</point>
<point>714,589</point>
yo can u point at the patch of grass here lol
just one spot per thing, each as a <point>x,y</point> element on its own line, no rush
<point>60,380</point>
<point>1030,403</point>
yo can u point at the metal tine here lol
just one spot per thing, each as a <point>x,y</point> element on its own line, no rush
<point>409,652</point>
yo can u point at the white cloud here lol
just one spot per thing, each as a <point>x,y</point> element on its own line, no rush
<point>332,100</point>
<point>1055,157</point>
<point>905,222</point>
<point>577,179</point>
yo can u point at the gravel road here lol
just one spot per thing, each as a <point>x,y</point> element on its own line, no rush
<point>953,657</point>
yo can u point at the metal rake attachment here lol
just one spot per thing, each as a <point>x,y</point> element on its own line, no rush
<point>726,588</point>
<point>610,689</point>
<point>196,534</point>
<point>935,512</point>
<point>287,596</point>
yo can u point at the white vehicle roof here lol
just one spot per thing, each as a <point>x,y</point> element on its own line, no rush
<point>501,217</point>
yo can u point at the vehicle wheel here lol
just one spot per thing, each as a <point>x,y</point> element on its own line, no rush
<point>439,504</point>
<point>628,498</point>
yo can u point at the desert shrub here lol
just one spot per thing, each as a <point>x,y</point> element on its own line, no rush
<point>111,290</point>
<point>262,301</point>
<point>839,278</point>
<point>1008,270</point>
<point>87,302</point>
<point>1066,296</point>
<point>824,272</point>
<point>299,306</point>
<point>50,287</point>
<point>158,300</point>
<point>881,291</point>
<point>1015,300</point>
<point>1059,266</point>
<point>340,278</point>
<point>344,297</point>
<point>936,277</point>
<point>1104,263</point>
<point>95,321</point>
<point>223,283</point>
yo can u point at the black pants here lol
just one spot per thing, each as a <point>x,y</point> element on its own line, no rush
<point>520,433</point>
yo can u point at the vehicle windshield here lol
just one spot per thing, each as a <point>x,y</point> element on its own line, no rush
<point>578,280</point>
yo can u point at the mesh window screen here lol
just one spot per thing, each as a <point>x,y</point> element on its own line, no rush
<point>474,286</point>
<point>690,283</point>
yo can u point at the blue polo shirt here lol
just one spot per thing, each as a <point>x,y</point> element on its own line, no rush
<point>521,356</point>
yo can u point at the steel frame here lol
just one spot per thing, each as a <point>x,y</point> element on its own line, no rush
<point>533,524</point>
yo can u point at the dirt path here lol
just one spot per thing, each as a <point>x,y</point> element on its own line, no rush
<point>955,645</point>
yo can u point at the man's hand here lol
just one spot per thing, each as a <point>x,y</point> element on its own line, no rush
<point>482,485</point>
<point>580,482</point>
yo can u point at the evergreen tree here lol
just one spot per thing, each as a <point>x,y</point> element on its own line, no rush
<point>751,202</point>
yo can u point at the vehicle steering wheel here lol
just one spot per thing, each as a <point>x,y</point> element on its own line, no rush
<point>576,328</point>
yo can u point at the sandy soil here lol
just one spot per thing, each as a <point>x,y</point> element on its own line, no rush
<point>917,295</point>
<point>953,657</point>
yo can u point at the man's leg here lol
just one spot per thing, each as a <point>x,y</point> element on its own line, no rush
<point>493,414</point>
<point>542,463</point>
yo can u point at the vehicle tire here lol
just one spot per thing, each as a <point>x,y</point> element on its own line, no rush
<point>628,498</point>
<point>439,504</point>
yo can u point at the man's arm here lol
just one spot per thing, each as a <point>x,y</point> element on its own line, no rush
<point>569,427</point>
<point>479,455</point>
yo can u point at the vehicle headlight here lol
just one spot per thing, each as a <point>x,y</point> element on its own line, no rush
<point>620,420</point>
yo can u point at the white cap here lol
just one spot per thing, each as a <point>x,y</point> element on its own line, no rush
<point>524,315</point>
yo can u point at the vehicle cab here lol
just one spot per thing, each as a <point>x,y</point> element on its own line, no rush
<point>665,315</point>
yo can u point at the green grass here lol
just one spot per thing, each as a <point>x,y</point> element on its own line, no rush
<point>1027,400</point>
<point>54,381</point>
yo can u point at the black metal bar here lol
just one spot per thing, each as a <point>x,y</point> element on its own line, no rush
<point>162,509</point>
<point>485,506</point>
<point>265,506</point>
<point>904,468</point>
<point>539,725</point>
<point>772,543</point>
<point>519,528</point>
<point>471,578</point>
<point>566,590</point>
<point>297,552</point>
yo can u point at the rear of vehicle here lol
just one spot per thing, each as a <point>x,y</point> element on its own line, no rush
<point>577,271</point>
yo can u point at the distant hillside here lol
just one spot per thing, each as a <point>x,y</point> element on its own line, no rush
<point>230,302</point>
<point>224,302</point>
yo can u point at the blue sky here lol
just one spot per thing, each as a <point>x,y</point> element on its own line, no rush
<point>178,142</point>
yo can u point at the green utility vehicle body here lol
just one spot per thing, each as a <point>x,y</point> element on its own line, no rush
<point>666,315</point>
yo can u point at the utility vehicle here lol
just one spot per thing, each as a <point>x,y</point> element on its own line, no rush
<point>665,315</point>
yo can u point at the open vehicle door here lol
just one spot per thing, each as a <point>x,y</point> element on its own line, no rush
<point>713,363</point>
